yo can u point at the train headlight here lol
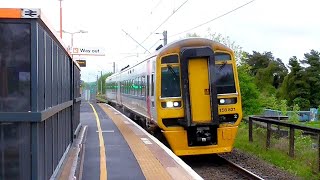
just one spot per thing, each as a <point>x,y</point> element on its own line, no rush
<point>169,104</point>
<point>175,104</point>
<point>224,101</point>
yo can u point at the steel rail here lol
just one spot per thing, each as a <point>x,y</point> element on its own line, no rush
<point>242,170</point>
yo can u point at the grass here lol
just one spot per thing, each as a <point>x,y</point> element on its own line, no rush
<point>101,98</point>
<point>315,124</point>
<point>305,162</point>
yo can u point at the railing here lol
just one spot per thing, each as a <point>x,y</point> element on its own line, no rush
<point>269,121</point>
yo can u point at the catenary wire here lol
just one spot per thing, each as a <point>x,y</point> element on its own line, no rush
<point>239,7</point>
<point>164,21</point>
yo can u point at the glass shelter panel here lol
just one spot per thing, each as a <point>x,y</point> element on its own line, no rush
<point>15,67</point>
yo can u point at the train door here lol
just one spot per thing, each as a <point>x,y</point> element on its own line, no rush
<point>151,84</point>
<point>148,88</point>
<point>199,90</point>
<point>153,90</point>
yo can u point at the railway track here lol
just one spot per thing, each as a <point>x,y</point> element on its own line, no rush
<point>241,170</point>
<point>217,167</point>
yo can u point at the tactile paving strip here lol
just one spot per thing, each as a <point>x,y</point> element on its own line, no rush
<point>150,166</point>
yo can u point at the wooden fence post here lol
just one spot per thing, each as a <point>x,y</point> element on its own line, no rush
<point>291,142</point>
<point>250,130</point>
<point>318,152</point>
<point>268,135</point>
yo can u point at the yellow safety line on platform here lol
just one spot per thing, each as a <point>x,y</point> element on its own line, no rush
<point>150,165</point>
<point>103,164</point>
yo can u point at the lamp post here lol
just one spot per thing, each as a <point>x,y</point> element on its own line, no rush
<point>72,33</point>
<point>100,82</point>
<point>60,18</point>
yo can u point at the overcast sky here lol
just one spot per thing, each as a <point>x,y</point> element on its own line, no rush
<point>285,27</point>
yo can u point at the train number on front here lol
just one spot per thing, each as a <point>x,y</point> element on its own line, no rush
<point>227,109</point>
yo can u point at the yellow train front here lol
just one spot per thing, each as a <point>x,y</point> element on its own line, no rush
<point>193,95</point>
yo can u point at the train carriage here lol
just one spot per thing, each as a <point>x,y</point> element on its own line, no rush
<point>189,89</point>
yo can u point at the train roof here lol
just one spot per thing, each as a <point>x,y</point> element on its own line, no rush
<point>187,42</point>
<point>190,42</point>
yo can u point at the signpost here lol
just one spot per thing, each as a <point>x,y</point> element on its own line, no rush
<point>89,51</point>
<point>82,63</point>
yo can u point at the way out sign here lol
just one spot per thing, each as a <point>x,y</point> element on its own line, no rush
<point>91,51</point>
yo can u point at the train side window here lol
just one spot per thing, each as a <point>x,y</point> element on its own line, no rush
<point>143,86</point>
<point>148,84</point>
<point>139,86</point>
<point>120,83</point>
<point>126,87</point>
<point>134,86</point>
<point>131,85</point>
<point>121,87</point>
<point>152,84</point>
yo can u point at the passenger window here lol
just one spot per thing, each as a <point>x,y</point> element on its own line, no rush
<point>152,85</point>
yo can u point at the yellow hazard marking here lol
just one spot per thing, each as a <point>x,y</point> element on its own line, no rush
<point>151,167</point>
<point>103,164</point>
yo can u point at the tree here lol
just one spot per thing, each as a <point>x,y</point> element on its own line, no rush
<point>295,85</point>
<point>102,81</point>
<point>257,60</point>
<point>269,72</point>
<point>283,107</point>
<point>249,91</point>
<point>225,40</point>
<point>192,35</point>
<point>312,73</point>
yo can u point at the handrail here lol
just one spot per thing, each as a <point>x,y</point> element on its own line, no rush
<point>286,124</point>
<point>292,127</point>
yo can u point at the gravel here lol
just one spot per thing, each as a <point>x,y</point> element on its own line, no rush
<point>209,167</point>
<point>258,166</point>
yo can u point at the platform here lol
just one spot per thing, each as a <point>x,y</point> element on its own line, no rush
<point>114,147</point>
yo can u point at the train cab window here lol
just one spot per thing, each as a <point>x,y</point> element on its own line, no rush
<point>170,59</point>
<point>170,82</point>
<point>225,79</point>
<point>220,56</point>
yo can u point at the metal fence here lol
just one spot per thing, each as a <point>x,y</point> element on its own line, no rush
<point>292,127</point>
<point>39,100</point>
<point>311,115</point>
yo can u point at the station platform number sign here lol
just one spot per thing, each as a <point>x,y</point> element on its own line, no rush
<point>82,63</point>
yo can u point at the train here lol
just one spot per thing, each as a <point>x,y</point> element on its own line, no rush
<point>189,90</point>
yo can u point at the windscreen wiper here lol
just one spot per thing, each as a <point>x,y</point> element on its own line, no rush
<point>223,65</point>
<point>172,71</point>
